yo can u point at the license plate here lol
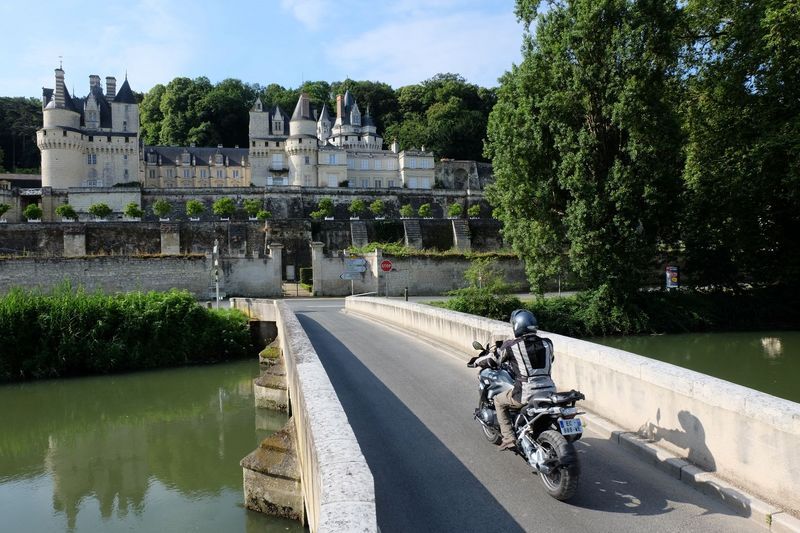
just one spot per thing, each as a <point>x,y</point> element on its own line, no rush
<point>570,426</point>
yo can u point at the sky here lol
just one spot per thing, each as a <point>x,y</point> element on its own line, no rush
<point>399,42</point>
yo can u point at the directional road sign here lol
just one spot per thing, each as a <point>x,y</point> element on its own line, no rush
<point>357,269</point>
<point>355,262</point>
<point>350,275</point>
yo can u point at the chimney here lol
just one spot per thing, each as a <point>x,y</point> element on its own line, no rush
<point>111,87</point>
<point>339,106</point>
<point>59,95</point>
<point>94,81</point>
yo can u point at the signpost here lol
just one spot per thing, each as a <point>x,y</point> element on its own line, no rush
<point>673,279</point>
<point>350,275</point>
<point>386,265</point>
<point>354,267</point>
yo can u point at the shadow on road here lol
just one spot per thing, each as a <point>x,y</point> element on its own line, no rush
<point>404,455</point>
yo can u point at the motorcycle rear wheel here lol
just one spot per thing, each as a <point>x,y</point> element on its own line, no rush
<point>562,482</point>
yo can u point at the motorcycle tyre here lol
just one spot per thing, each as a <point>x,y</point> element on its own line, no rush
<point>491,434</point>
<point>562,483</point>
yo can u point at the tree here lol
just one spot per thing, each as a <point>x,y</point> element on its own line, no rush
<point>586,143</point>
<point>100,210</point>
<point>19,120</point>
<point>474,211</point>
<point>32,212</point>
<point>252,206</point>
<point>406,211</point>
<point>132,210</point>
<point>263,215</point>
<point>424,210</point>
<point>454,210</point>
<point>4,209</point>
<point>324,209</point>
<point>194,208</point>
<point>224,207</point>
<point>66,211</point>
<point>151,116</point>
<point>161,208</point>
<point>377,207</point>
<point>357,207</point>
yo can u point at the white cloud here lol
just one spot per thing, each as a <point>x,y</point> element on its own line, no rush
<point>309,13</point>
<point>476,45</point>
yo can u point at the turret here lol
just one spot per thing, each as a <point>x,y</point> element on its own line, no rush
<point>324,125</point>
<point>302,122</point>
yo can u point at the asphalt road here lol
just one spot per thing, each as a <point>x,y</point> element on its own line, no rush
<point>410,405</point>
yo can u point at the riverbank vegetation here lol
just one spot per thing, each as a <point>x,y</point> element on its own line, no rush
<point>71,332</point>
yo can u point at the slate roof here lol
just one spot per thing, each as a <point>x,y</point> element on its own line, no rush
<point>302,110</point>
<point>203,155</point>
<point>125,94</point>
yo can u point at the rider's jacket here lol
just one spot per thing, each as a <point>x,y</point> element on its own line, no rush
<point>530,357</point>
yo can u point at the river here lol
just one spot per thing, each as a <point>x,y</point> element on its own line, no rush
<point>146,451</point>
<point>768,361</point>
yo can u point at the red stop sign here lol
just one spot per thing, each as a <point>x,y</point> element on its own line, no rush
<point>386,265</point>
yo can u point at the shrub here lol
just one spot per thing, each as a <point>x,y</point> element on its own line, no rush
<point>407,211</point>
<point>161,208</point>
<point>485,273</point>
<point>194,208</point>
<point>377,207</point>
<point>344,183</point>
<point>66,211</point>
<point>132,210</point>
<point>482,302</point>
<point>224,207</point>
<point>454,210</point>
<point>357,207</point>
<point>252,206</point>
<point>324,209</point>
<point>70,333</point>
<point>4,209</point>
<point>100,210</point>
<point>263,215</point>
<point>32,212</point>
<point>424,210</point>
<point>474,210</point>
<point>307,275</point>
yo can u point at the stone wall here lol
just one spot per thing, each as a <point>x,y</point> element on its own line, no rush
<point>421,275</point>
<point>258,277</point>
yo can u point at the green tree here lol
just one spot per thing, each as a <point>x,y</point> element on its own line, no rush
<point>100,210</point>
<point>132,210</point>
<point>32,212</point>
<point>224,207</point>
<point>377,207</point>
<point>324,209</point>
<point>194,208</point>
<point>474,211</point>
<point>485,273</point>
<point>19,120</point>
<point>151,116</point>
<point>424,210</point>
<point>181,106</point>
<point>263,215</point>
<point>66,211</point>
<point>585,142</point>
<point>161,208</point>
<point>742,171</point>
<point>4,209</point>
<point>454,210</point>
<point>406,211</point>
<point>357,207</point>
<point>252,206</point>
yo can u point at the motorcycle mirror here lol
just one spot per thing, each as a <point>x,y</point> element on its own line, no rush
<point>477,345</point>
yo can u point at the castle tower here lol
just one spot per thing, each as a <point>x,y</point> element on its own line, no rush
<point>324,125</point>
<point>60,140</point>
<point>302,146</point>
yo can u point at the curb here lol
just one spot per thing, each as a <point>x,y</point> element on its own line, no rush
<point>743,503</point>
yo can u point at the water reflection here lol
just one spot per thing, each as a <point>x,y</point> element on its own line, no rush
<point>135,451</point>
<point>765,361</point>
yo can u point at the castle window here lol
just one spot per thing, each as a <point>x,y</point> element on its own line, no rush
<point>364,183</point>
<point>91,159</point>
<point>377,164</point>
<point>152,174</point>
<point>254,144</point>
<point>63,133</point>
<point>91,139</point>
<point>365,164</point>
<point>390,184</point>
<point>186,173</point>
<point>332,159</point>
<point>170,173</point>
<point>126,139</point>
<point>307,180</point>
<point>219,173</point>
<point>125,174</point>
<point>124,125</point>
<point>412,163</point>
<point>351,164</point>
<point>108,139</point>
<point>125,157</point>
<point>235,173</point>
<point>277,161</point>
<point>307,160</point>
<point>378,184</point>
<point>203,173</point>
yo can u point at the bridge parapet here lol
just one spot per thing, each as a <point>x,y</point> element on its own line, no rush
<point>745,436</point>
<point>337,485</point>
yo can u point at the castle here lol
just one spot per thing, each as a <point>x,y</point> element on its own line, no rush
<point>94,142</point>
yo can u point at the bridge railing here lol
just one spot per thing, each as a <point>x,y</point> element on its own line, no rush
<point>746,436</point>
<point>338,487</point>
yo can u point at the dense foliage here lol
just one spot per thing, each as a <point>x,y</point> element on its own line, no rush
<point>636,132</point>
<point>73,333</point>
<point>19,120</point>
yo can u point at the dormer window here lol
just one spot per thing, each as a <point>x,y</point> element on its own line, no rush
<point>124,125</point>
<point>277,126</point>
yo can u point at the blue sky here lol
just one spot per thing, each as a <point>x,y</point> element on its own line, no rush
<point>399,42</point>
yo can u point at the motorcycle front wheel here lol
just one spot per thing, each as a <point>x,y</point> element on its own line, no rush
<point>492,434</point>
<point>562,480</point>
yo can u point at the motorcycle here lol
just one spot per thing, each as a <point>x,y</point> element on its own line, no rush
<point>545,428</point>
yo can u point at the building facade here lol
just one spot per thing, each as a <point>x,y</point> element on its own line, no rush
<point>94,142</point>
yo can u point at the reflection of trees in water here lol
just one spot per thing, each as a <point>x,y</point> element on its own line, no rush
<point>108,439</point>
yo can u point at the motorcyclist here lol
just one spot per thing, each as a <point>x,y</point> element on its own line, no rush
<point>530,358</point>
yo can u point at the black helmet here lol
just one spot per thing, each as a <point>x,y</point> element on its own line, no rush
<point>523,321</point>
